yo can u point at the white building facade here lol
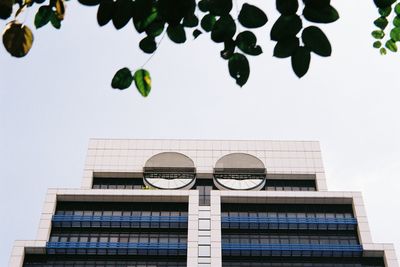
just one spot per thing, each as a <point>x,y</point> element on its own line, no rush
<point>202,203</point>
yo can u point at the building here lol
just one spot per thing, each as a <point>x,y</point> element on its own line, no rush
<point>202,203</point>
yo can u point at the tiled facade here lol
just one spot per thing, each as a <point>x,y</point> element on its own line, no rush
<point>124,158</point>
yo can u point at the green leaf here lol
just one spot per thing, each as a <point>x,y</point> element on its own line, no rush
<point>6,8</point>
<point>207,22</point>
<point>142,81</point>
<point>383,3</point>
<point>142,10</point>
<point>287,7</point>
<point>301,61</point>
<point>395,34</point>
<point>176,33</point>
<point>397,9</point>
<point>315,40</point>
<point>396,21</point>
<point>224,29</point>
<point>122,13</point>
<point>326,15</point>
<point>55,21</point>
<point>155,28</point>
<point>252,17</point>
<point>142,24</point>
<point>204,5</point>
<point>317,4</point>
<point>391,45</point>
<point>219,7</point>
<point>286,26</point>
<point>382,51</point>
<point>286,47</point>
<point>378,34</point>
<point>148,44</point>
<point>43,16</point>
<point>381,23</point>
<point>190,21</point>
<point>89,2</point>
<point>196,33</point>
<point>377,44</point>
<point>105,12</point>
<point>122,79</point>
<point>229,49</point>
<point>384,12</point>
<point>239,68</point>
<point>17,39</point>
<point>173,11</point>
<point>247,42</point>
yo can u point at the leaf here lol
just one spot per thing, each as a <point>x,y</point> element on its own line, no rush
<point>155,28</point>
<point>142,24</point>
<point>286,47</point>
<point>176,33</point>
<point>122,13</point>
<point>301,61</point>
<point>287,7</point>
<point>391,45</point>
<point>381,23</point>
<point>190,21</point>
<point>105,12</point>
<point>252,17</point>
<point>397,9</point>
<point>142,10</point>
<point>17,39</point>
<point>196,33</point>
<point>384,12</point>
<point>55,21</point>
<point>207,22</point>
<point>148,44</point>
<point>326,15</point>
<point>396,21</point>
<point>89,2</point>
<point>247,42</point>
<point>6,7</point>
<point>229,49</point>
<point>219,7</point>
<point>122,79</point>
<point>382,51</point>
<point>383,3</point>
<point>315,40</point>
<point>43,16</point>
<point>239,68</point>
<point>173,11</point>
<point>204,5</point>
<point>377,44</point>
<point>142,81</point>
<point>395,34</point>
<point>286,26</point>
<point>317,4</point>
<point>378,34</point>
<point>224,29</point>
<point>60,9</point>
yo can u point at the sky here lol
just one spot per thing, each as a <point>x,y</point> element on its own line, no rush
<point>59,95</point>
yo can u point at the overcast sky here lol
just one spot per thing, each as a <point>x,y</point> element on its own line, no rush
<point>59,96</point>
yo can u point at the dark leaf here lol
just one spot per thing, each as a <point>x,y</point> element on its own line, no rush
<point>207,22</point>
<point>224,29</point>
<point>219,7</point>
<point>155,28</point>
<point>173,11</point>
<point>391,45</point>
<point>17,39</point>
<point>122,13</point>
<point>301,61</point>
<point>6,8</point>
<point>395,34</point>
<point>143,82</point>
<point>286,26</point>
<point>396,21</point>
<point>196,33</point>
<point>43,16</point>
<point>141,25</point>
<point>55,21</point>
<point>381,22</point>
<point>176,33</point>
<point>384,12</point>
<point>325,15</point>
<point>89,2</point>
<point>247,42</point>
<point>287,7</point>
<point>204,5</point>
<point>252,17</point>
<point>239,68</point>
<point>286,47</point>
<point>316,41</point>
<point>377,44</point>
<point>378,34</point>
<point>105,12</point>
<point>142,9</point>
<point>383,3</point>
<point>148,45</point>
<point>397,9</point>
<point>122,79</point>
<point>318,4</point>
<point>229,49</point>
<point>190,21</point>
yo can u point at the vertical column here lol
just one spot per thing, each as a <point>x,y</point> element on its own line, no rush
<point>216,244</point>
<point>193,228</point>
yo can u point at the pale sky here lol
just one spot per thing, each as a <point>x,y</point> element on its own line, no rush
<point>59,96</point>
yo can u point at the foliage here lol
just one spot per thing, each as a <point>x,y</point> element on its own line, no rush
<point>173,18</point>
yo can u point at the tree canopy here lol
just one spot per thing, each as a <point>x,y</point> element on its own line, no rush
<point>155,19</point>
